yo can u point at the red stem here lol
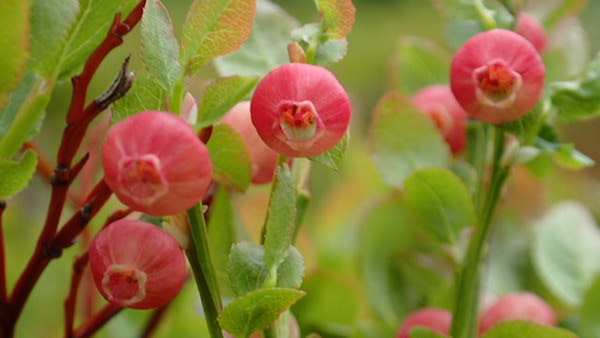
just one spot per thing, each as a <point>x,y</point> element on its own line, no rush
<point>78,120</point>
<point>154,320</point>
<point>97,321</point>
<point>2,257</point>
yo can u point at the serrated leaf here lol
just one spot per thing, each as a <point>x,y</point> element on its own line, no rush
<point>281,217</point>
<point>337,17</point>
<point>331,51</point>
<point>404,140</point>
<point>214,28</point>
<point>266,48</point>
<point>247,270</point>
<point>522,329</point>
<point>65,32</point>
<point>420,63</point>
<point>566,245</point>
<point>14,29</point>
<point>146,93</point>
<point>159,48</point>
<point>441,202</point>
<point>230,156</point>
<point>578,99</point>
<point>257,310</point>
<point>333,158</point>
<point>423,332</point>
<point>590,311</point>
<point>14,176</point>
<point>222,95</point>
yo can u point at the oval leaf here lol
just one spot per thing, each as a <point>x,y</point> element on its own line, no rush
<point>14,29</point>
<point>337,17</point>
<point>257,310</point>
<point>16,175</point>
<point>230,156</point>
<point>146,93</point>
<point>590,311</point>
<point>522,329</point>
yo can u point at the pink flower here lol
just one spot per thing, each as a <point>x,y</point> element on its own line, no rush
<point>497,76</point>
<point>264,159</point>
<point>532,30</point>
<point>300,110</point>
<point>137,265</point>
<point>517,306</point>
<point>155,163</point>
<point>441,106</point>
<point>436,320</point>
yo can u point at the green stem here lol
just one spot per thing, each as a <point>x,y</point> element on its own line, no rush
<point>27,117</point>
<point>464,324</point>
<point>177,97</point>
<point>204,271</point>
<point>486,17</point>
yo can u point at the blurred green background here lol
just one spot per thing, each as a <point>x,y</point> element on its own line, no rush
<point>341,201</point>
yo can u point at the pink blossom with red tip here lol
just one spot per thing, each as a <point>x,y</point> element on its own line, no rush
<point>137,265</point>
<point>532,30</point>
<point>155,163</point>
<point>264,159</point>
<point>439,104</point>
<point>518,306</point>
<point>301,110</point>
<point>436,320</point>
<point>497,76</point>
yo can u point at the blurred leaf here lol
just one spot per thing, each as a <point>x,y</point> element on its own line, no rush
<point>459,31</point>
<point>222,232</point>
<point>566,245</point>
<point>159,48</point>
<point>146,93</point>
<point>565,154</point>
<point>441,201</point>
<point>571,48</point>
<point>247,270</point>
<point>580,98</point>
<point>419,63</point>
<point>523,127</point>
<point>333,158</point>
<point>337,17</point>
<point>257,310</point>
<point>16,175</point>
<point>222,95</point>
<point>423,332</point>
<point>522,329</point>
<point>590,311</point>
<point>466,172</point>
<point>17,99</point>
<point>65,32</point>
<point>14,38</point>
<point>404,140</point>
<point>266,48</point>
<point>281,218</point>
<point>230,156</point>
<point>214,28</point>
<point>331,51</point>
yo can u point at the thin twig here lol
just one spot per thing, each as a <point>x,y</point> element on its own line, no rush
<point>155,318</point>
<point>97,321</point>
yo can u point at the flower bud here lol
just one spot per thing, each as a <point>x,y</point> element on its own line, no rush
<point>155,163</point>
<point>497,76</point>
<point>532,30</point>
<point>300,110</point>
<point>441,106</point>
<point>518,306</point>
<point>137,265</point>
<point>264,159</point>
<point>189,109</point>
<point>436,320</point>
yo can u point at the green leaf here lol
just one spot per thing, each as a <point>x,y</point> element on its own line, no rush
<point>266,48</point>
<point>281,217</point>
<point>333,158</point>
<point>222,95</point>
<point>565,154</point>
<point>230,156</point>
<point>590,311</point>
<point>522,329</point>
<point>146,93</point>
<point>404,140</point>
<point>441,201</point>
<point>17,99</point>
<point>423,332</point>
<point>566,245</point>
<point>337,17</point>
<point>247,270</point>
<point>16,175</point>
<point>419,63</point>
<point>579,99</point>
<point>159,48</point>
<point>222,232</point>
<point>331,52</point>
<point>14,29</point>
<point>523,127</point>
<point>65,32</point>
<point>214,28</point>
<point>257,310</point>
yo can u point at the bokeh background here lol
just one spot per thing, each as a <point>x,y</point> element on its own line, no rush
<point>333,237</point>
